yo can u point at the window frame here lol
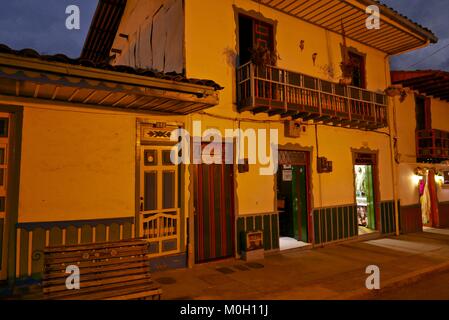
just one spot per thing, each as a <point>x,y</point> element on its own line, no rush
<point>354,53</point>
<point>254,17</point>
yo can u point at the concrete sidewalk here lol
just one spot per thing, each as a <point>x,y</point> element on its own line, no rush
<point>334,272</point>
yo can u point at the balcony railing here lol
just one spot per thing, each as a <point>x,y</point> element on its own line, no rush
<point>432,145</point>
<point>286,93</point>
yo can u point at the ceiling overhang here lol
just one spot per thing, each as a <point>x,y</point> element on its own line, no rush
<point>397,33</point>
<point>432,83</point>
<point>59,82</point>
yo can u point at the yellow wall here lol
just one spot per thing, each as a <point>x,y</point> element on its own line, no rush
<point>211,50</point>
<point>77,164</point>
<point>440,114</point>
<point>406,127</point>
<point>440,120</point>
<point>69,155</point>
<point>211,41</point>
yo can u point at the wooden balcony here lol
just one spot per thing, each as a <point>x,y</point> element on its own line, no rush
<point>432,145</point>
<point>291,94</point>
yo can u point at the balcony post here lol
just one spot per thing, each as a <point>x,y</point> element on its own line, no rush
<point>375,108</point>
<point>252,84</point>
<point>318,85</point>
<point>285,90</point>
<point>348,103</point>
<point>434,145</point>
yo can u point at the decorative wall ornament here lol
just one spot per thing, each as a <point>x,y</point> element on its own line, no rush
<point>156,132</point>
<point>302,45</point>
<point>314,56</point>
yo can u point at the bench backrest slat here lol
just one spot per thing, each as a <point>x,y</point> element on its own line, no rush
<point>102,265</point>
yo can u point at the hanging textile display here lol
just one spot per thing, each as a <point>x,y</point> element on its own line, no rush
<point>425,200</point>
<point>433,199</point>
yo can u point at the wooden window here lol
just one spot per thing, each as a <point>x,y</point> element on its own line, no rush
<point>168,188</point>
<point>358,72</point>
<point>423,113</point>
<point>150,195</point>
<point>253,33</point>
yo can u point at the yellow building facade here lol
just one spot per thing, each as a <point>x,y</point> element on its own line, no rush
<point>421,130</point>
<point>92,165</point>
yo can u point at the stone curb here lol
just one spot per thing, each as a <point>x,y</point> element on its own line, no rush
<point>407,279</point>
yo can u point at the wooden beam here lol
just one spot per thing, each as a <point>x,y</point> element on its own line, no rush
<point>417,81</point>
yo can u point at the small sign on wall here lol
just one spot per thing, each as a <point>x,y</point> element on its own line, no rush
<point>287,175</point>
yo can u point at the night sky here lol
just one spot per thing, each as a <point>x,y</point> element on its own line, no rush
<point>40,24</point>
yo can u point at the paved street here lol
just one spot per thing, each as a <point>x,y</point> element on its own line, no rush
<point>333,272</point>
<point>431,288</point>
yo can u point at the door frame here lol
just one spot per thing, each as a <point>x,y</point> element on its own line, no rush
<point>141,141</point>
<point>308,152</point>
<point>159,213</point>
<point>374,162</point>
<point>8,259</point>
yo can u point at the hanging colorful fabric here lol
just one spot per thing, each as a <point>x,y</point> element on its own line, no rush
<point>425,201</point>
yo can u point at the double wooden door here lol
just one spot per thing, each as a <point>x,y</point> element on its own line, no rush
<point>5,127</point>
<point>214,212</point>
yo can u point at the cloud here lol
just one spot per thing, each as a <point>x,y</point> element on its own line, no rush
<point>433,15</point>
<point>30,24</point>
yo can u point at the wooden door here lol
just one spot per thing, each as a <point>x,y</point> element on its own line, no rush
<point>293,181</point>
<point>5,127</point>
<point>214,212</point>
<point>159,203</point>
<point>300,205</point>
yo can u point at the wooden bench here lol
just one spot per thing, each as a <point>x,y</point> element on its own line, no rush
<point>108,271</point>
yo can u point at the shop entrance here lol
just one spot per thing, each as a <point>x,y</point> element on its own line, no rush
<point>364,186</point>
<point>292,199</point>
<point>429,199</point>
<point>366,215</point>
<point>366,191</point>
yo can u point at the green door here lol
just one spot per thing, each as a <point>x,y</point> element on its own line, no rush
<point>364,186</point>
<point>299,205</point>
<point>292,192</point>
<point>370,198</point>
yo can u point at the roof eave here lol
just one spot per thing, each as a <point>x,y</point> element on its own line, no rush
<point>390,13</point>
<point>110,88</point>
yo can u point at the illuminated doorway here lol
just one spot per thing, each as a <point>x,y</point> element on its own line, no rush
<point>292,183</point>
<point>365,198</point>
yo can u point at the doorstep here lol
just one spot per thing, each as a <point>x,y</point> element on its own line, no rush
<point>308,246</point>
<point>360,238</point>
<point>369,236</point>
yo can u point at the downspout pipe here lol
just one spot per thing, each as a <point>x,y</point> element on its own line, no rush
<point>392,135</point>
